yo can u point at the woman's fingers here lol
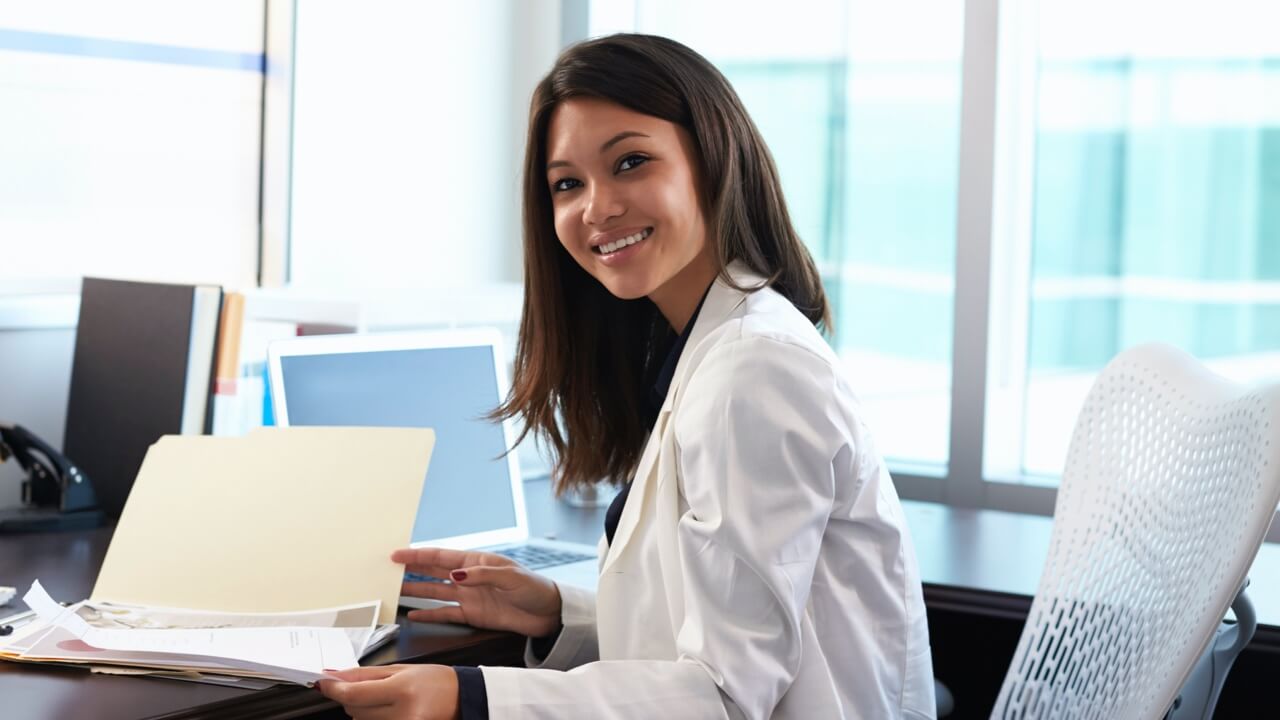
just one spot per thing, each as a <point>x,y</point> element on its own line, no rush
<point>433,590</point>
<point>359,694</point>
<point>429,561</point>
<point>438,562</point>
<point>448,614</point>
<point>503,578</point>
<point>360,674</point>
<point>361,687</point>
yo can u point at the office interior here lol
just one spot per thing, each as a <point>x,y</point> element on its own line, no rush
<point>1000,196</point>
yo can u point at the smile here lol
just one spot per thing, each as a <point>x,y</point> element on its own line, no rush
<point>616,245</point>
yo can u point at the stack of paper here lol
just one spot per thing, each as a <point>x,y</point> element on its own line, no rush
<point>262,527</point>
<point>221,647</point>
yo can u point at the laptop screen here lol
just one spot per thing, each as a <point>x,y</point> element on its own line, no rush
<point>450,389</point>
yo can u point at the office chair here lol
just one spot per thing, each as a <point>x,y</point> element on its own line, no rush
<point>1171,480</point>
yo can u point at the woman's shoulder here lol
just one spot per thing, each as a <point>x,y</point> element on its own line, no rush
<point>766,340</point>
<point>765,315</point>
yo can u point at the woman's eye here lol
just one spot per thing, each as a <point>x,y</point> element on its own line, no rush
<point>564,184</point>
<point>632,161</point>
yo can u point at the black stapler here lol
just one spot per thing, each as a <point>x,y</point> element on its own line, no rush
<point>56,495</point>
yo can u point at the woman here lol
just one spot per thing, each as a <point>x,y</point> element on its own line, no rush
<point>756,563</point>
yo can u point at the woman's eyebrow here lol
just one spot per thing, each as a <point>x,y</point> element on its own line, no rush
<point>619,138</point>
<point>603,148</point>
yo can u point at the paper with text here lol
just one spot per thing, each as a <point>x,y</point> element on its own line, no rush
<point>299,654</point>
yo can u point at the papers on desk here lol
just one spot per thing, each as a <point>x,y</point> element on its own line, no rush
<point>263,527</point>
<point>243,649</point>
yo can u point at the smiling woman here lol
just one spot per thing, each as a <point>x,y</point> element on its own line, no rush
<point>638,134</point>
<point>756,563</point>
<point>627,208</point>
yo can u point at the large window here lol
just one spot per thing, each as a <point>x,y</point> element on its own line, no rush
<point>129,140</point>
<point>859,103</point>
<point>1001,196</point>
<point>1005,195</point>
<point>1142,203</point>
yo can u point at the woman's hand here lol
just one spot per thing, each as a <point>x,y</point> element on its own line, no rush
<point>403,692</point>
<point>491,591</point>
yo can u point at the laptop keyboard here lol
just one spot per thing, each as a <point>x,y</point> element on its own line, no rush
<point>533,558</point>
<point>536,558</point>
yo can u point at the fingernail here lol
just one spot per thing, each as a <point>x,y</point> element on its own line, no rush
<point>458,575</point>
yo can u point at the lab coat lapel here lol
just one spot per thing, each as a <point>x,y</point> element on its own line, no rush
<point>720,302</point>
<point>636,500</point>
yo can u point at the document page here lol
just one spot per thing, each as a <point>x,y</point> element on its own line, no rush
<point>357,621</point>
<point>298,654</point>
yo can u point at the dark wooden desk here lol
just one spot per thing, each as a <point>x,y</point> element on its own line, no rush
<point>979,567</point>
<point>67,565</point>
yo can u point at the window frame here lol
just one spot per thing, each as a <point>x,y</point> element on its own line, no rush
<point>992,228</point>
<point>276,173</point>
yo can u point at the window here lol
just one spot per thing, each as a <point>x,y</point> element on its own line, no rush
<point>130,140</point>
<point>1013,193</point>
<point>859,103</point>
<point>1141,203</point>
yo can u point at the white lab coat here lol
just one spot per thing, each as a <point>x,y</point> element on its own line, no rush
<point>762,566</point>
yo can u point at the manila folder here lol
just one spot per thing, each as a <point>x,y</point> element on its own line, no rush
<point>281,519</point>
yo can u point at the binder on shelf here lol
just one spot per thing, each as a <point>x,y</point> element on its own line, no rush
<point>251,321</point>
<point>226,390</point>
<point>142,368</point>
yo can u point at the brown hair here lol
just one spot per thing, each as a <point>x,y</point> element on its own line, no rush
<point>586,359</point>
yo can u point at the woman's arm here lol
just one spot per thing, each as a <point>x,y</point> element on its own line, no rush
<point>756,434</point>
<point>576,642</point>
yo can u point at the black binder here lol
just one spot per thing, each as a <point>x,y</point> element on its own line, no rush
<point>143,367</point>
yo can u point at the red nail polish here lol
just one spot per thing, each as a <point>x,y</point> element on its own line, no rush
<point>458,575</point>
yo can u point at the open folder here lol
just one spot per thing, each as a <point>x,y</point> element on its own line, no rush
<point>280,521</point>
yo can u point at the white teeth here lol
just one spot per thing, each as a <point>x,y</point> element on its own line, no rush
<point>617,245</point>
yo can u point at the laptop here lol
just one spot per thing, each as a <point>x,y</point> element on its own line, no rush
<point>473,496</point>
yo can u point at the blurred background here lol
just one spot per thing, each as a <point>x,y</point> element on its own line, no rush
<point>999,202</point>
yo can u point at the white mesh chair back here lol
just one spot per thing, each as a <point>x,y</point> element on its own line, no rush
<point>1172,478</point>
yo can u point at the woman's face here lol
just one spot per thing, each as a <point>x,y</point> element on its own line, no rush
<point>624,194</point>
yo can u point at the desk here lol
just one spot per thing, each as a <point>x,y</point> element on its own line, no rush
<point>67,565</point>
<point>980,569</point>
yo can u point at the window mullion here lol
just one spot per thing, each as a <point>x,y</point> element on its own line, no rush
<point>276,179</point>
<point>964,484</point>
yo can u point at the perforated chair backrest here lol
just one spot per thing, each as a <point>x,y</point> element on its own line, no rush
<point>1172,478</point>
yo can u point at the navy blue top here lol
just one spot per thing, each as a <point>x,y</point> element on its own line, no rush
<point>473,697</point>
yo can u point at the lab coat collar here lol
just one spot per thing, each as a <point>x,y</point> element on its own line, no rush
<point>722,299</point>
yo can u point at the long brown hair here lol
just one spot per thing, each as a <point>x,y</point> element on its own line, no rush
<point>586,359</point>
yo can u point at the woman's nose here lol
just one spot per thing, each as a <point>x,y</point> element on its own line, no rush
<point>603,204</point>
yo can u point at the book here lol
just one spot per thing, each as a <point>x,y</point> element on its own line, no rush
<point>142,368</point>
<point>226,391</point>
<point>250,322</point>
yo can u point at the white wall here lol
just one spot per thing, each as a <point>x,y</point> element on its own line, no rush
<point>408,139</point>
